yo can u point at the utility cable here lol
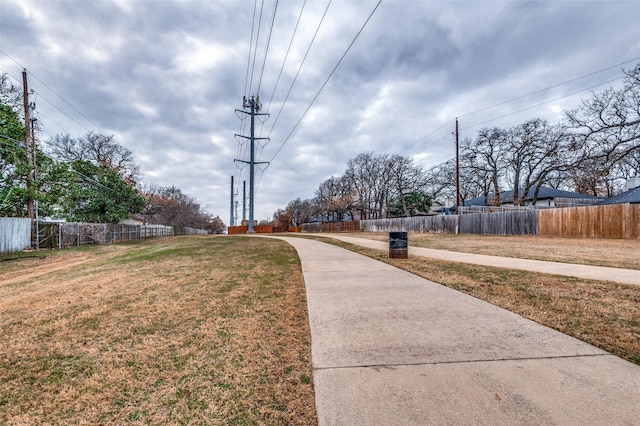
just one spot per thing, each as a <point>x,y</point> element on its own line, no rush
<point>50,103</point>
<point>11,139</point>
<point>299,68</point>
<point>93,181</point>
<point>525,96</point>
<point>266,50</point>
<point>281,70</point>
<point>70,118</point>
<point>427,136</point>
<point>286,54</point>
<point>253,24</point>
<point>549,88</point>
<point>327,80</point>
<point>57,94</point>
<point>237,169</point>
<point>255,49</point>
<point>541,103</point>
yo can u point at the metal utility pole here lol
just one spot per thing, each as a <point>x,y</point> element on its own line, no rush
<point>253,104</point>
<point>457,170</point>
<point>231,221</point>
<point>27,145</point>
<point>244,200</point>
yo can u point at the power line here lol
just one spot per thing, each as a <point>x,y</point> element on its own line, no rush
<point>52,104</point>
<point>296,76</point>
<point>280,73</point>
<point>299,68</point>
<point>11,139</point>
<point>93,181</point>
<point>427,136</point>
<point>147,166</point>
<point>237,169</point>
<point>253,24</point>
<point>57,94</point>
<point>255,49</point>
<point>266,50</point>
<point>286,55</point>
<point>56,107</point>
<point>542,103</point>
<point>522,97</point>
<point>327,80</point>
<point>549,88</point>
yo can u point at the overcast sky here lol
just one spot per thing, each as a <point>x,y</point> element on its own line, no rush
<point>166,78</point>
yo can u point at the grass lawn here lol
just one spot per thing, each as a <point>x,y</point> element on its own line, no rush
<point>214,330</point>
<point>587,251</point>
<point>184,330</point>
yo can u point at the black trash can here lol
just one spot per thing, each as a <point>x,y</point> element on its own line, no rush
<point>398,245</point>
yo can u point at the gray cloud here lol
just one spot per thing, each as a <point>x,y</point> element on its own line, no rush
<point>165,78</point>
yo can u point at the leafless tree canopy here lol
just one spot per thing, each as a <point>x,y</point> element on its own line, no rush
<point>99,149</point>
<point>592,151</point>
<point>170,206</point>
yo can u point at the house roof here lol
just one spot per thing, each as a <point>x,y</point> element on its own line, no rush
<point>630,196</point>
<point>545,193</point>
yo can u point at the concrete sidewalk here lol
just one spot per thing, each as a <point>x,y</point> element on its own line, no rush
<point>619,275</point>
<point>390,348</point>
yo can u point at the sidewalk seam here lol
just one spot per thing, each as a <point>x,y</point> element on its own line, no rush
<point>374,366</point>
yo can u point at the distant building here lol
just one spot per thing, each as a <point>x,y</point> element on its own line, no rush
<point>547,197</point>
<point>631,195</point>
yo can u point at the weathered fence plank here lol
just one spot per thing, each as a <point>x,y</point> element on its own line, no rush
<point>503,223</point>
<point>438,224</point>
<point>606,221</point>
<point>349,226</point>
<point>311,227</point>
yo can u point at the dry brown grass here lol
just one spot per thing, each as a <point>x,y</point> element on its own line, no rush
<point>603,314</point>
<point>189,330</point>
<point>587,251</point>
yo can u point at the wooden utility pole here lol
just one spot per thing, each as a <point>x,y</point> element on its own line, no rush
<point>27,145</point>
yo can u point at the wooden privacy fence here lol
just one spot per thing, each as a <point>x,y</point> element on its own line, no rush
<point>351,226</point>
<point>438,224</point>
<point>516,222</point>
<point>607,221</point>
<point>506,223</point>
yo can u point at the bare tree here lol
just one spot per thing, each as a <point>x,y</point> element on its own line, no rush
<point>369,176</point>
<point>486,156</point>
<point>170,206</point>
<point>607,127</point>
<point>406,179</point>
<point>216,225</point>
<point>98,148</point>
<point>335,199</point>
<point>440,181</point>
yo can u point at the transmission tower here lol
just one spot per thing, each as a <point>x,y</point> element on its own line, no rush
<point>253,106</point>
